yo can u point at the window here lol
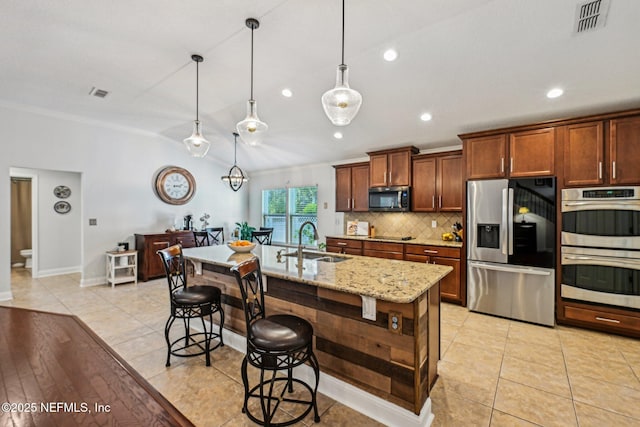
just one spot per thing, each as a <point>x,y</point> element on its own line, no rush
<point>285,210</point>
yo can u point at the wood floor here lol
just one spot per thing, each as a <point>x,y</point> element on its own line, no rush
<point>56,371</point>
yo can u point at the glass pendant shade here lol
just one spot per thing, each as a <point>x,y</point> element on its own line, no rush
<point>252,129</point>
<point>341,104</point>
<point>197,145</point>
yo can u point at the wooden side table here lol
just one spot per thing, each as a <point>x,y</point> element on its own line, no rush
<point>122,267</point>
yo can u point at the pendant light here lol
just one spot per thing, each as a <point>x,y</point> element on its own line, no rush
<point>236,177</point>
<point>252,129</point>
<point>341,104</point>
<point>197,145</point>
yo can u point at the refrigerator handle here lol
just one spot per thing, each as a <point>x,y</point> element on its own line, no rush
<point>504,236</point>
<point>508,268</point>
<point>510,221</point>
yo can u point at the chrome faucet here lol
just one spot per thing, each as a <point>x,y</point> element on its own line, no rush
<point>315,237</point>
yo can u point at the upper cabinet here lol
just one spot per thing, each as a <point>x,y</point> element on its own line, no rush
<point>592,159</point>
<point>624,150</point>
<point>391,167</point>
<point>515,154</point>
<point>352,187</point>
<point>437,182</point>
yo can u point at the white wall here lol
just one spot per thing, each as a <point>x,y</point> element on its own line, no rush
<point>117,168</point>
<point>322,175</point>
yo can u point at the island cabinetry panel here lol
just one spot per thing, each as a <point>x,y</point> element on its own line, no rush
<point>391,167</point>
<point>450,285</point>
<point>149,263</point>
<point>352,187</point>
<point>383,249</point>
<point>344,246</point>
<point>515,154</point>
<point>437,183</point>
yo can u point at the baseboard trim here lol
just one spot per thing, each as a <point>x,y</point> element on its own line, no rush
<point>94,281</point>
<point>59,271</point>
<point>379,409</point>
<point>6,296</point>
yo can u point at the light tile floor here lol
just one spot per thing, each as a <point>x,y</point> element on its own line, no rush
<point>493,372</point>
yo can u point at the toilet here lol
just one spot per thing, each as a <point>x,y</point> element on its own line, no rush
<point>26,254</point>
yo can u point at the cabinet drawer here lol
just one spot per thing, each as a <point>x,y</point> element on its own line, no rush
<point>383,246</point>
<point>602,318</point>
<point>417,258</point>
<point>441,251</point>
<point>345,243</point>
<point>383,254</point>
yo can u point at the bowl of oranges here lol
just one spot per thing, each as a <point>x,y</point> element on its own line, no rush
<point>241,246</point>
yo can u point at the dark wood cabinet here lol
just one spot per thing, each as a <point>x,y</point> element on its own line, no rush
<point>383,249</point>
<point>590,158</point>
<point>391,167</point>
<point>528,153</point>
<point>486,156</point>
<point>437,183</point>
<point>624,150</point>
<point>344,246</point>
<point>352,187</point>
<point>599,317</point>
<point>583,154</point>
<point>149,263</point>
<point>450,285</point>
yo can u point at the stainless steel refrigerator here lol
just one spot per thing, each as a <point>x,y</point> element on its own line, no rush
<point>511,246</point>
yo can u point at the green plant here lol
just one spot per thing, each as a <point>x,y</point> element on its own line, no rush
<point>245,230</point>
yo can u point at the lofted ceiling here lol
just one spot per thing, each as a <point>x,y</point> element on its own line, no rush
<point>472,64</point>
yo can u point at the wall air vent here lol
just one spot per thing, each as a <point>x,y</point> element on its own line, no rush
<point>100,93</point>
<point>591,15</point>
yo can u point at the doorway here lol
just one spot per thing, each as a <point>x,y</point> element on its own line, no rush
<point>24,221</point>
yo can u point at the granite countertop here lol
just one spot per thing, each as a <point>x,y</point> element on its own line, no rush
<point>432,242</point>
<point>383,279</point>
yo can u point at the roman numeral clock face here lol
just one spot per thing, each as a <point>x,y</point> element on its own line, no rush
<point>175,185</point>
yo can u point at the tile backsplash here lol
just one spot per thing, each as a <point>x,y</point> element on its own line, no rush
<point>412,224</point>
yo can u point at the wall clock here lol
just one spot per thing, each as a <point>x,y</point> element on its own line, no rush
<point>175,185</point>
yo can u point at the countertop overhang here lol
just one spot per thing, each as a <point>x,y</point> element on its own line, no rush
<point>383,279</point>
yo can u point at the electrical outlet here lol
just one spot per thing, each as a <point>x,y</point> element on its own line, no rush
<point>395,322</point>
<point>434,223</point>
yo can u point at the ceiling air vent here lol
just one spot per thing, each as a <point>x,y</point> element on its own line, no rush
<point>100,93</point>
<point>591,15</point>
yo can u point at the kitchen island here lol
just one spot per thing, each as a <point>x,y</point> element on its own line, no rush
<point>376,321</point>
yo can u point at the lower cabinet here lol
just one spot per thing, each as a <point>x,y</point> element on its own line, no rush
<point>450,285</point>
<point>383,250</point>
<point>149,263</point>
<point>603,318</point>
<point>344,246</point>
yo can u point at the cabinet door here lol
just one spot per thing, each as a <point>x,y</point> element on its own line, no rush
<point>360,188</point>
<point>399,165</point>
<point>423,192</point>
<point>583,154</point>
<point>624,151</point>
<point>154,265</point>
<point>343,189</point>
<point>378,170</point>
<point>450,183</point>
<point>486,156</point>
<point>531,153</point>
<point>450,284</point>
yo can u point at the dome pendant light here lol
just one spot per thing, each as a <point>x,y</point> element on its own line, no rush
<point>197,145</point>
<point>341,104</point>
<point>236,177</point>
<point>252,129</point>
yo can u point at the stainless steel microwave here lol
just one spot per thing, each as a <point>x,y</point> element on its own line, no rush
<point>390,199</point>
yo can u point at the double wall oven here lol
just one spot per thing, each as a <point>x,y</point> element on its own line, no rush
<point>601,245</point>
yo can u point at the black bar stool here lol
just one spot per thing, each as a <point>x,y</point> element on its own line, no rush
<point>274,343</point>
<point>217,235</point>
<point>188,303</point>
<point>201,238</point>
<point>262,236</point>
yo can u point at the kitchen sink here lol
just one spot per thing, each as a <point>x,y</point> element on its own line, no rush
<point>322,257</point>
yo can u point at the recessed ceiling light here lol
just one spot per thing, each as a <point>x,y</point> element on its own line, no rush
<point>337,135</point>
<point>555,92</point>
<point>390,55</point>
<point>425,117</point>
<point>287,93</point>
